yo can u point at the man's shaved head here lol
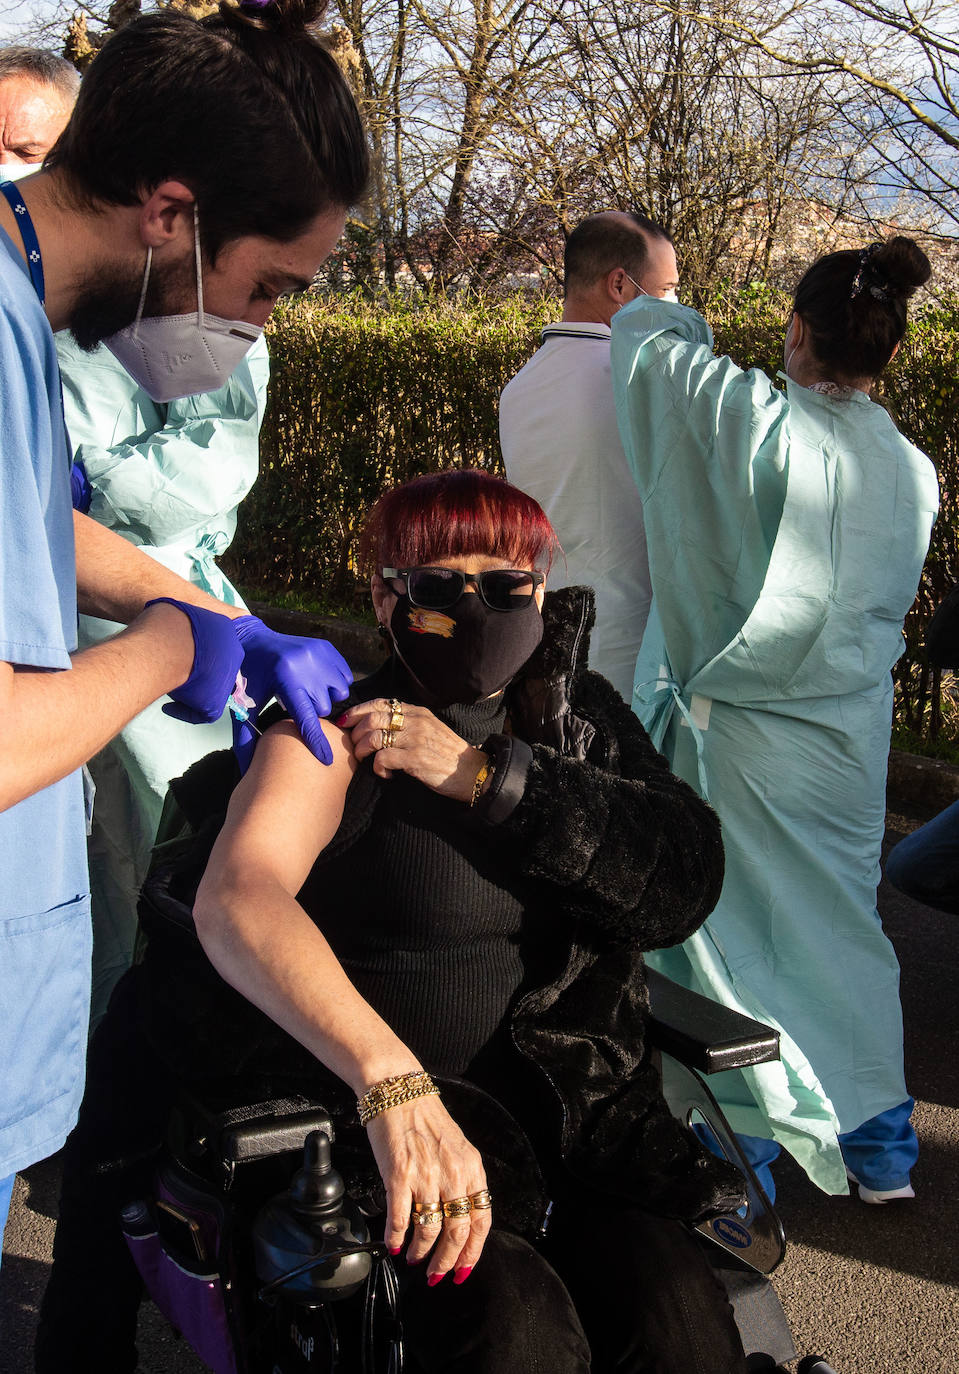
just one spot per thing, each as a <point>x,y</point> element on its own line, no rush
<point>606,241</point>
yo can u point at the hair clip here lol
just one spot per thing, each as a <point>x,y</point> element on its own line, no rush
<point>878,287</point>
<point>254,7</point>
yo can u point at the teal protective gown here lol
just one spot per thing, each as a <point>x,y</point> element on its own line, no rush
<point>169,478</point>
<point>786,539</point>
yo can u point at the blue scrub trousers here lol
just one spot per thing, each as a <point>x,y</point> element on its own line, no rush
<point>881,1152</point>
<point>925,865</point>
<point>6,1192</point>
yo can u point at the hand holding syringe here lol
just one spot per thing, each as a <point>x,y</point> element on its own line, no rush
<point>241,705</point>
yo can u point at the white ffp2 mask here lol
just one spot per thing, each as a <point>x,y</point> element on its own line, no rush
<point>172,356</point>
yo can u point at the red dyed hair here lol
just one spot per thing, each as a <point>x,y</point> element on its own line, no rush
<point>453,513</point>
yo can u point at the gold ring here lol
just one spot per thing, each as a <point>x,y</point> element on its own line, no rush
<point>427,1218</point>
<point>482,1200</point>
<point>419,1207</point>
<point>457,1207</point>
<point>397,718</point>
<point>387,740</point>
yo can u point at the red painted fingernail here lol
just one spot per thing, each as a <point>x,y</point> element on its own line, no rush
<point>463,1274</point>
<point>342,719</point>
<point>396,1251</point>
<point>418,1260</point>
<point>434,1279</point>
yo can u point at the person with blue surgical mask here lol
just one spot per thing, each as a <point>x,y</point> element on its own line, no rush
<point>105,246</point>
<point>786,533</point>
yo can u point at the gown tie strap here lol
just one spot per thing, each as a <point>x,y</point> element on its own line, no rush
<point>667,683</point>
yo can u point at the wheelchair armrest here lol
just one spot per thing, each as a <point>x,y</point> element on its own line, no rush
<point>702,1034</point>
<point>244,1132</point>
<point>271,1133</point>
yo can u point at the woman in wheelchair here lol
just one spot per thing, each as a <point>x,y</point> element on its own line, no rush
<point>440,936</point>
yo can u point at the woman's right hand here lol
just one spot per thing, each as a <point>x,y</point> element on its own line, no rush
<point>423,1156</point>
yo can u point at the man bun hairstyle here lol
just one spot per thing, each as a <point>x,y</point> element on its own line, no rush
<point>854,304</point>
<point>282,15</point>
<point>603,242</point>
<point>245,107</point>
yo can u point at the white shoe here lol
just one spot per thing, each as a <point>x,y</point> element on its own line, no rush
<point>880,1195</point>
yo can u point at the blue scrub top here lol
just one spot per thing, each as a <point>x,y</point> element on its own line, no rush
<point>44,889</point>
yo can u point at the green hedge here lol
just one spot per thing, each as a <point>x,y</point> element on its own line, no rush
<point>365,396</point>
<point>362,398</point>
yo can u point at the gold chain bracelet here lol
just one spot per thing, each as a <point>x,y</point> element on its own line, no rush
<point>393,1092</point>
<point>485,771</point>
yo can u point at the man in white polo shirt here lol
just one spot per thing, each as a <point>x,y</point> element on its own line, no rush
<point>559,436</point>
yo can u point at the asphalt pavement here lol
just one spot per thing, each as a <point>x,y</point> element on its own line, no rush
<point>875,1289</point>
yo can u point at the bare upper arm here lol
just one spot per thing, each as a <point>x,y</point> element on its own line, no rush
<point>284,812</point>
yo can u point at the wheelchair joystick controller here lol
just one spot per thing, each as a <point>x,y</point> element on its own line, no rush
<point>305,1240</point>
<point>317,1189</point>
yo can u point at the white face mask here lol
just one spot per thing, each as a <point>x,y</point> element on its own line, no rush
<point>16,171</point>
<point>669,295</point>
<point>788,353</point>
<point>172,356</point>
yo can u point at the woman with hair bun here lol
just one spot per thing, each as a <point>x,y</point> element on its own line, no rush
<point>787,533</point>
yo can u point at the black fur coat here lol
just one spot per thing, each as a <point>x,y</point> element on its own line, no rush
<point>625,857</point>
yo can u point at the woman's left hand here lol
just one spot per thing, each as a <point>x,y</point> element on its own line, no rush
<point>422,746</point>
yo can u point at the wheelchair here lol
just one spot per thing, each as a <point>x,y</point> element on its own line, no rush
<point>251,1249</point>
<point>253,1252</point>
<point>259,1272</point>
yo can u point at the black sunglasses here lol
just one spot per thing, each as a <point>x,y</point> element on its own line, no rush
<point>436,589</point>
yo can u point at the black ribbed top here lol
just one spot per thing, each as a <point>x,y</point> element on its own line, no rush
<point>419,912</point>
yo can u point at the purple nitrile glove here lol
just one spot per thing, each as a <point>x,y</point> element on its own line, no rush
<point>216,661</point>
<point>306,675</point>
<point>81,491</point>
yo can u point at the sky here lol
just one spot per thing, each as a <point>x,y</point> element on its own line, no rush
<point>44,22</point>
<point>21,20</point>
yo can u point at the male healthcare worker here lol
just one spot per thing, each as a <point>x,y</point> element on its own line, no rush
<point>168,477</point>
<point>786,537</point>
<point>86,261</point>
<point>560,440</point>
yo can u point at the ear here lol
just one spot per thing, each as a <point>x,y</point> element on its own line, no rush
<point>616,284</point>
<point>893,353</point>
<point>166,214</point>
<point>539,595</point>
<point>384,599</point>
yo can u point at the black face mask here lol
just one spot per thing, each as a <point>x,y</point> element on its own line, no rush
<point>467,652</point>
